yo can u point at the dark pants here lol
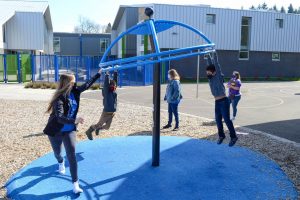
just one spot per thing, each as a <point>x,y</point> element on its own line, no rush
<point>69,140</point>
<point>173,109</point>
<point>222,110</point>
<point>234,103</point>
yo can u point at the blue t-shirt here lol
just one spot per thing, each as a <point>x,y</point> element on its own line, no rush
<point>73,106</point>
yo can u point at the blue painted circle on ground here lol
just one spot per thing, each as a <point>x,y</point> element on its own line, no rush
<point>120,168</point>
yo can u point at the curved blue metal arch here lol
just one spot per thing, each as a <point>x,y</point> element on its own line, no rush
<point>152,27</point>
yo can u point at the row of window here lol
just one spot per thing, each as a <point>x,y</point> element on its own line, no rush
<point>244,55</point>
<point>104,43</point>
<point>211,19</point>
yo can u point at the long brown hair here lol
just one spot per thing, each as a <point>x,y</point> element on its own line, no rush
<point>174,75</point>
<point>64,87</point>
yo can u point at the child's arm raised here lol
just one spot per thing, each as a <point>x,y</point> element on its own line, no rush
<point>106,83</point>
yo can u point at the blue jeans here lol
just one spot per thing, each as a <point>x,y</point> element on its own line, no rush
<point>173,109</point>
<point>222,110</point>
<point>234,103</point>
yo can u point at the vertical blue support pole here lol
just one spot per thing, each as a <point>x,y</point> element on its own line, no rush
<point>40,74</point>
<point>88,67</point>
<point>67,63</point>
<point>48,67</point>
<point>5,68</point>
<point>32,67</point>
<point>56,72</point>
<point>136,79</point>
<point>19,67</point>
<point>76,68</point>
<point>80,58</point>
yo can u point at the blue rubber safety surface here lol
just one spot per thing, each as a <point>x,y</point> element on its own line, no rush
<point>120,168</point>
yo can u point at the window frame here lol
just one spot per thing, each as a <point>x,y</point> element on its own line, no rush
<point>280,24</point>
<point>276,59</point>
<point>214,17</point>
<point>244,51</point>
<point>56,39</point>
<point>106,41</point>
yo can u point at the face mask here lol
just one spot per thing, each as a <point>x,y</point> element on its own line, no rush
<point>209,76</point>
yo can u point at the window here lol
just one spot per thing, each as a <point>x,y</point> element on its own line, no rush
<point>104,43</point>
<point>279,23</point>
<point>210,18</point>
<point>244,55</point>
<point>56,44</point>
<point>275,56</point>
<point>245,38</point>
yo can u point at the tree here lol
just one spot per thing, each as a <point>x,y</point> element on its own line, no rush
<point>258,7</point>
<point>108,28</point>
<point>86,26</point>
<point>290,9</point>
<point>264,6</point>
<point>275,8</point>
<point>282,10</point>
<point>252,7</point>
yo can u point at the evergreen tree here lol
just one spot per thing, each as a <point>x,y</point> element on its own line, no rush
<point>252,7</point>
<point>275,8</point>
<point>264,6</point>
<point>290,9</point>
<point>282,10</point>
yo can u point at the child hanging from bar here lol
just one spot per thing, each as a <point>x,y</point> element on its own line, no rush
<point>109,103</point>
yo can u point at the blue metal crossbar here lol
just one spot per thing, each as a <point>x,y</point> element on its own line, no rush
<point>152,27</point>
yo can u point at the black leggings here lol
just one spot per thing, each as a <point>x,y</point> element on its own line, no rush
<point>69,141</point>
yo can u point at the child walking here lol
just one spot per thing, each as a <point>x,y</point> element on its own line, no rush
<point>173,97</point>
<point>234,86</point>
<point>109,94</point>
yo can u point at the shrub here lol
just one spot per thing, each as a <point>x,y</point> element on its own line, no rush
<point>53,86</point>
<point>95,87</point>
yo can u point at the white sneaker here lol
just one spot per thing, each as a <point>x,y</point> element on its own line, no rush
<point>233,118</point>
<point>61,168</point>
<point>76,188</point>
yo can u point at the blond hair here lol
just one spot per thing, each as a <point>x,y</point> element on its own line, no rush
<point>237,74</point>
<point>64,88</point>
<point>174,74</point>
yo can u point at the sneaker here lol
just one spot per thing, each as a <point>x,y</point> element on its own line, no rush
<point>233,141</point>
<point>220,140</point>
<point>97,131</point>
<point>176,129</point>
<point>61,168</point>
<point>89,133</point>
<point>167,126</point>
<point>76,188</point>
<point>233,118</point>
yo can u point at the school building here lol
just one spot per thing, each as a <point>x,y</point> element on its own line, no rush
<point>255,43</point>
<point>75,44</point>
<point>25,27</point>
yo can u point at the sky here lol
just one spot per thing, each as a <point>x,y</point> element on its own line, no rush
<point>65,13</point>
